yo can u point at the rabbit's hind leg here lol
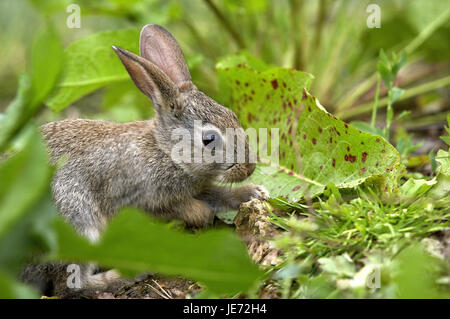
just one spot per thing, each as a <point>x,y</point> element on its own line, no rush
<point>194,212</point>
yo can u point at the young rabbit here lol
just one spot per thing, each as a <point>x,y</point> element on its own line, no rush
<point>112,165</point>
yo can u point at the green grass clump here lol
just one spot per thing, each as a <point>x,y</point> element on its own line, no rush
<point>334,243</point>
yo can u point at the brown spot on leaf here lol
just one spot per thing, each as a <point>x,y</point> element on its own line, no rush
<point>274,83</point>
<point>364,157</point>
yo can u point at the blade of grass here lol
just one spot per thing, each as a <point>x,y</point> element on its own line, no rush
<point>417,90</point>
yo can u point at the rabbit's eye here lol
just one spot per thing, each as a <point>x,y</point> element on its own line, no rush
<point>208,139</point>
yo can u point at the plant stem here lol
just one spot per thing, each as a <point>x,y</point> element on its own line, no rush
<point>389,114</point>
<point>420,89</point>
<point>321,14</point>
<point>296,33</point>
<point>375,104</point>
<point>348,101</point>
<point>226,23</point>
<point>427,32</point>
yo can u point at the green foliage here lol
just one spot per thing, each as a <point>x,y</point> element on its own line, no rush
<point>216,258</point>
<point>315,147</point>
<point>90,64</point>
<point>343,243</point>
<point>415,274</point>
<point>46,63</point>
<point>28,223</point>
<point>442,187</point>
<point>332,245</point>
<point>341,265</point>
<point>26,211</point>
<point>446,138</point>
<point>10,289</point>
<point>388,69</point>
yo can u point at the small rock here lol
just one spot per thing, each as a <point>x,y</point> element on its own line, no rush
<point>253,225</point>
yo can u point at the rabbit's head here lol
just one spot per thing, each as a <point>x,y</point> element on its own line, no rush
<point>217,144</point>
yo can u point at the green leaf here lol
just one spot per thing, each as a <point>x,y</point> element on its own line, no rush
<point>14,116</point>
<point>25,204</point>
<point>133,243</point>
<point>416,187</point>
<point>385,73</point>
<point>90,64</point>
<point>342,265</point>
<point>395,94</point>
<point>46,61</point>
<point>45,68</point>
<point>384,59</point>
<point>442,187</point>
<point>11,289</point>
<point>399,63</point>
<point>24,177</point>
<point>415,274</point>
<point>330,150</point>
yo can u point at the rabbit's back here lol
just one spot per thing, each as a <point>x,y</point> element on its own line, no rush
<point>78,136</point>
<point>107,166</point>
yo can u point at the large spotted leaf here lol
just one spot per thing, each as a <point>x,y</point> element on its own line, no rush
<point>316,148</point>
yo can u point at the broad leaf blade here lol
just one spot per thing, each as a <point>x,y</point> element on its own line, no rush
<point>26,207</point>
<point>133,243</point>
<point>329,150</point>
<point>90,64</point>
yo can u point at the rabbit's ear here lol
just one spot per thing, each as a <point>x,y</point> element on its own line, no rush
<point>159,47</point>
<point>150,80</point>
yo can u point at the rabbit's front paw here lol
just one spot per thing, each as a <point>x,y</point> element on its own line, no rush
<point>251,191</point>
<point>259,192</point>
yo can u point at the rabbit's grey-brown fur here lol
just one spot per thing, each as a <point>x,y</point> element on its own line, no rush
<point>112,165</point>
